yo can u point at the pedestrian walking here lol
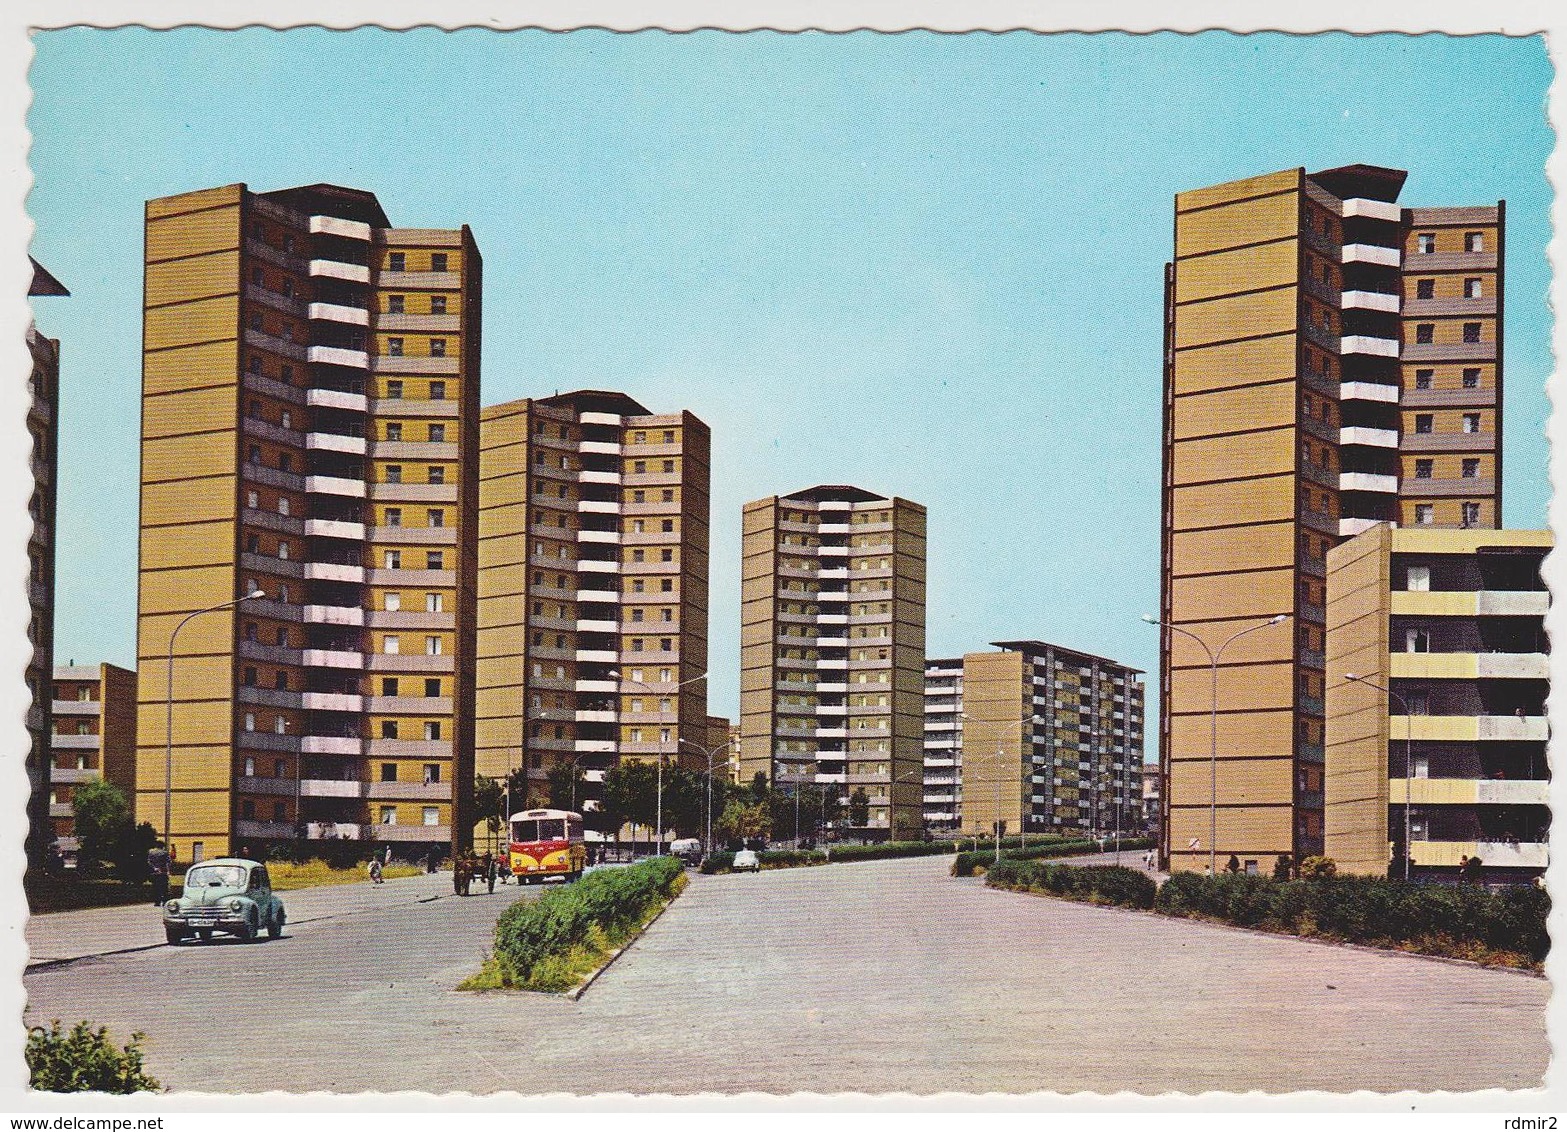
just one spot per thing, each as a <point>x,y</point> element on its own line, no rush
<point>375,870</point>
<point>158,869</point>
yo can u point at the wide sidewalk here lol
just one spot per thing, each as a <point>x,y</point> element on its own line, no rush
<point>61,937</point>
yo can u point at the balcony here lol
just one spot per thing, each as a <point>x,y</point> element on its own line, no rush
<point>385,363</point>
<point>594,626</point>
<point>593,746</point>
<point>597,507</point>
<point>245,827</point>
<point>425,323</point>
<point>75,742</point>
<point>334,614</point>
<point>333,269</point>
<point>334,528</point>
<point>608,538</point>
<point>1469,792</point>
<point>413,833</point>
<point>331,658</point>
<point>331,745</point>
<point>414,492</point>
<point>1367,481</point>
<point>337,399</point>
<point>1368,391</point>
<point>1500,854</point>
<point>596,595</point>
<point>1368,345</point>
<point>612,419</point>
<point>1470,666</point>
<point>593,716</point>
<point>331,788</point>
<point>598,477</point>
<point>1370,253</point>
<point>331,701</point>
<point>1371,437</point>
<point>1373,209</point>
<point>607,656</point>
<point>335,485</point>
<point>1348,528</point>
<point>334,572</point>
<point>333,312</point>
<point>336,226</point>
<point>1370,301</point>
<point>1470,728</point>
<point>76,707</point>
<point>333,442</point>
<point>598,566</point>
<point>335,831</point>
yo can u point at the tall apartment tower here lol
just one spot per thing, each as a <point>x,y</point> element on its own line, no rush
<point>832,648</point>
<point>1043,738</point>
<point>310,410</point>
<point>44,427</point>
<point>1332,361</point>
<point>94,737</point>
<point>593,579</point>
<point>1445,735</point>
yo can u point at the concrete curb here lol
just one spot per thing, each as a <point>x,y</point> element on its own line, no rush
<point>581,988</point>
<point>1315,940</point>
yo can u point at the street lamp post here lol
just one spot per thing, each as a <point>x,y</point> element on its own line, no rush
<point>168,749</point>
<point>1213,725</point>
<point>707,841</point>
<point>1409,769</point>
<point>660,787</point>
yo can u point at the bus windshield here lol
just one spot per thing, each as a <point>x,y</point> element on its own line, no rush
<point>543,829</point>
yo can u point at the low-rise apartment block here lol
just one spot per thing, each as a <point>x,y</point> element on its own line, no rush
<point>94,737</point>
<point>1443,731</point>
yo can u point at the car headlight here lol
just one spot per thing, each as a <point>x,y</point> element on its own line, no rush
<point>235,905</point>
<point>172,906</point>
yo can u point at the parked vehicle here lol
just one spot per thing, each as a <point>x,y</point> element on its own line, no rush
<point>688,849</point>
<point>746,861</point>
<point>546,843</point>
<point>229,895</point>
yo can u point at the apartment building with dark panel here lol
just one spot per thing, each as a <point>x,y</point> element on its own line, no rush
<point>92,737</point>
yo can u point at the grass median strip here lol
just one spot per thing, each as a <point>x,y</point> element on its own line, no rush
<point>555,943</point>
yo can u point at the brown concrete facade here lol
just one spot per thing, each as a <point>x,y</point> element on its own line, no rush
<point>93,737</point>
<point>832,645</point>
<point>593,587</point>
<point>309,430</point>
<point>1447,627</point>
<point>1289,367</point>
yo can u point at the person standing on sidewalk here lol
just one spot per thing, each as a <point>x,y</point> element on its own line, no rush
<point>158,869</point>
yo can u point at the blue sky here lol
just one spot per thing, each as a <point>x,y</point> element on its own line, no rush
<point>959,238</point>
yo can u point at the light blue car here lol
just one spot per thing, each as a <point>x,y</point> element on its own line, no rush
<point>228,895</point>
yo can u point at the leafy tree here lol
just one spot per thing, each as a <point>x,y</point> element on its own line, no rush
<point>103,820</point>
<point>1281,867</point>
<point>631,793</point>
<point>759,787</point>
<point>84,1061</point>
<point>489,800</point>
<point>128,854</point>
<point>565,785</point>
<point>859,808</point>
<point>742,821</point>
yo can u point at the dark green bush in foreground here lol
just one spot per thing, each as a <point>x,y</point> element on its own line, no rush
<point>1458,920</point>
<point>1098,884</point>
<point>84,1060</point>
<point>967,864</point>
<point>610,901</point>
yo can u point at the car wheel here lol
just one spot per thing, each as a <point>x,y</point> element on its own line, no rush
<point>174,935</point>
<point>275,928</point>
<point>246,932</point>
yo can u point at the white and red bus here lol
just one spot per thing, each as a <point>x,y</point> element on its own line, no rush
<point>546,843</point>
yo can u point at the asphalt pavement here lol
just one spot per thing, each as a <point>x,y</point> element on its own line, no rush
<point>867,977</point>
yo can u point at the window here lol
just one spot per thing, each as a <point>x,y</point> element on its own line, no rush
<point>1471,469</point>
<point>388,815</point>
<point>1418,578</point>
<point>1423,469</point>
<point>285,462</point>
<point>250,725</point>
<point>1474,241</point>
<point>667,615</point>
<point>1471,422</point>
<point>282,550</point>
<point>1473,289</point>
<point>397,261</point>
<point>437,473</point>
<point>669,465</point>
<point>437,434</point>
<point>251,499</point>
<point>432,686</point>
<point>253,454</point>
<point>669,436</point>
<point>1424,331</point>
<point>389,685</point>
<point>1471,379</point>
<point>282,505</point>
<point>437,304</point>
<point>666,644</point>
<point>636,615</point>
<point>280,681</point>
<point>1425,288</point>
<point>250,677</point>
<point>1423,378</point>
<point>437,347</point>
<point>394,473</point>
<point>436,517</point>
<point>433,560</point>
<point>1471,515</point>
<point>1423,514</point>
<point>638,467</point>
<point>393,516</point>
<point>394,430</point>
<point>389,729</point>
<point>668,495</point>
<point>279,811</point>
<point>432,729</point>
<point>252,544</point>
<point>394,347</point>
<point>286,375</point>
<point>434,603</point>
<point>393,602</point>
<point>437,261</point>
<point>247,809</point>
<point>432,646</point>
<point>1425,243</point>
<point>393,559</point>
<point>437,390</point>
<point>391,644</point>
<point>667,526</point>
<point>388,772</point>
<point>1424,422</point>
<point>666,555</point>
<point>394,390</point>
<point>395,304</point>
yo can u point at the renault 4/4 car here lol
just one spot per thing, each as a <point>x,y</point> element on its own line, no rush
<point>227,895</point>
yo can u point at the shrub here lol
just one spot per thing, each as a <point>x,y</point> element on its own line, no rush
<point>717,863</point>
<point>611,902</point>
<point>84,1060</point>
<point>971,862</point>
<point>1314,868</point>
<point>1099,884</point>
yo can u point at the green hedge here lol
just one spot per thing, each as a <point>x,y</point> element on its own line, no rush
<point>767,859</point>
<point>1444,919</point>
<point>969,863</point>
<point>84,1060</point>
<point>888,849</point>
<point>1099,884</point>
<point>613,901</point>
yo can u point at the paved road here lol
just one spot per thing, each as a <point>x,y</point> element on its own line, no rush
<point>868,977</point>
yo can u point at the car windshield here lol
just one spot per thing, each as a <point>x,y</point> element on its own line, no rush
<point>216,876</point>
